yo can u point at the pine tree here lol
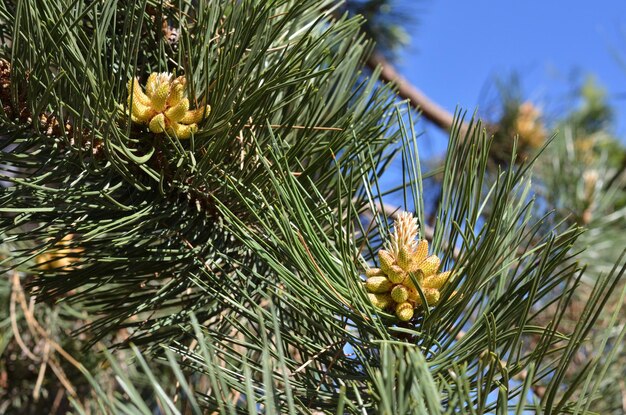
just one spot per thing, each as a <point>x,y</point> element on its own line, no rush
<point>192,221</point>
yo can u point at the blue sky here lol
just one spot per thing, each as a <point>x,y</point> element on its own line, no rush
<point>458,46</point>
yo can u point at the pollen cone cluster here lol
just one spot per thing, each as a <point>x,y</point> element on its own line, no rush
<point>163,106</point>
<point>529,126</point>
<point>389,287</point>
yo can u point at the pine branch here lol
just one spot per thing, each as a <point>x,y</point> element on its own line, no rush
<point>420,101</point>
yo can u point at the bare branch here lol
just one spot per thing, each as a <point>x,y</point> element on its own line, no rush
<point>430,109</point>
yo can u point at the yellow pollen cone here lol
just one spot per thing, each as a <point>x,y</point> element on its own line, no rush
<point>400,294</point>
<point>163,106</point>
<point>430,265</point>
<point>182,131</point>
<point>381,301</point>
<point>151,84</point>
<point>437,281</point>
<point>386,260</point>
<point>421,252</point>
<point>58,257</point>
<point>378,285</point>
<point>178,91</point>
<point>396,274</point>
<point>176,113</point>
<point>141,112</point>
<point>432,296</point>
<point>159,99</point>
<point>195,116</point>
<point>374,272</point>
<point>157,123</point>
<point>404,311</point>
<point>405,257</point>
<point>137,92</point>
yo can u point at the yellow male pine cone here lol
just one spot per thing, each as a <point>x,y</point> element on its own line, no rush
<point>163,107</point>
<point>437,281</point>
<point>404,311</point>
<point>396,274</point>
<point>378,285</point>
<point>427,267</point>
<point>374,272</point>
<point>390,287</point>
<point>59,257</point>
<point>432,296</point>
<point>381,301</point>
<point>400,293</point>
<point>386,260</point>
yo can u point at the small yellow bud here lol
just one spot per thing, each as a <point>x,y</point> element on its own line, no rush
<point>176,113</point>
<point>181,130</point>
<point>400,294</point>
<point>404,311</point>
<point>421,252</point>
<point>378,285</point>
<point>413,294</point>
<point>177,92</point>
<point>386,260</point>
<point>195,116</point>
<point>405,257</point>
<point>396,274</point>
<point>159,99</point>
<point>432,296</point>
<point>438,280</point>
<point>374,272</point>
<point>141,112</point>
<point>163,107</point>
<point>157,123</point>
<point>418,275</point>
<point>137,92</point>
<point>381,301</point>
<point>151,84</point>
<point>430,265</point>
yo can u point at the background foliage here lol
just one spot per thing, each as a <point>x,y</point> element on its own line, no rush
<point>147,274</point>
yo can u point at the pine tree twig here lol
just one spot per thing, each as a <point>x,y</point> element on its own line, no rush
<point>42,371</point>
<point>60,374</point>
<point>36,328</point>
<point>16,332</point>
<point>190,349</point>
<point>318,354</point>
<point>57,401</point>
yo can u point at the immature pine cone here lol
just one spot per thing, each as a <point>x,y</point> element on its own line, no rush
<point>163,107</point>
<point>390,287</point>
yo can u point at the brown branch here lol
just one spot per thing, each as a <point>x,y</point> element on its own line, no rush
<point>430,110</point>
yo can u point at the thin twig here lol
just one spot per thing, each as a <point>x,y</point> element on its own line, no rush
<point>16,331</point>
<point>190,349</point>
<point>42,371</point>
<point>318,354</point>
<point>36,327</point>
